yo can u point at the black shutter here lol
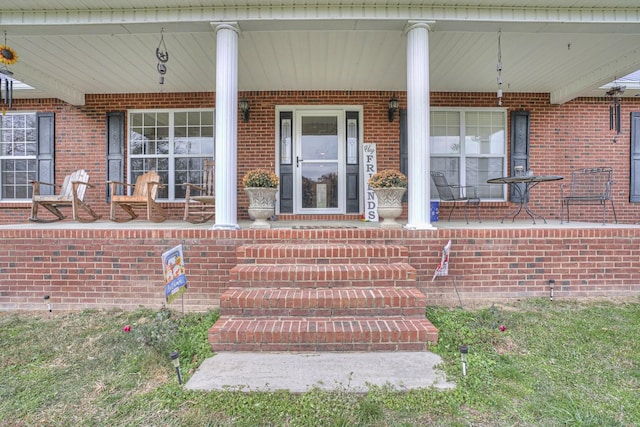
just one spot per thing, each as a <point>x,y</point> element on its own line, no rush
<point>46,151</point>
<point>519,148</point>
<point>634,190</point>
<point>353,169</point>
<point>115,148</point>
<point>286,171</point>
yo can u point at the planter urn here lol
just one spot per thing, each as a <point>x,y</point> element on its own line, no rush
<point>262,201</point>
<point>390,205</point>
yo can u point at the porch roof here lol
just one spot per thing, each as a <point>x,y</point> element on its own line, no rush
<point>567,48</point>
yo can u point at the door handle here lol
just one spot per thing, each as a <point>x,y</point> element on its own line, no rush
<point>298,160</point>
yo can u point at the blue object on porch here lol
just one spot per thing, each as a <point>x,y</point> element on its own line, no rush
<point>435,207</point>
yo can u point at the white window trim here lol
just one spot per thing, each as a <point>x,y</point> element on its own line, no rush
<point>171,156</point>
<point>462,156</point>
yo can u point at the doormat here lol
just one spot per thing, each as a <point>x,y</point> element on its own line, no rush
<point>322,227</point>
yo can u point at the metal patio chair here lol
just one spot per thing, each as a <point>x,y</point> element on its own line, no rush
<point>456,194</point>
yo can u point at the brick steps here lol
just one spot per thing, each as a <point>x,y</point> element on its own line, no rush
<point>322,297</point>
<point>322,334</point>
<point>324,302</point>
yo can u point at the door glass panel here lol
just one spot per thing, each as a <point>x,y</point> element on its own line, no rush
<point>319,138</point>
<point>319,185</point>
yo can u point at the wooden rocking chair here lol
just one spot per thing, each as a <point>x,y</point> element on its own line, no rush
<point>199,200</point>
<point>144,195</point>
<point>71,193</point>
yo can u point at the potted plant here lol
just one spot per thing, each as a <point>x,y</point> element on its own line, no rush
<point>261,187</point>
<point>389,185</point>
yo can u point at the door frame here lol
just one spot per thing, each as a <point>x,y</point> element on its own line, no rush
<point>298,111</point>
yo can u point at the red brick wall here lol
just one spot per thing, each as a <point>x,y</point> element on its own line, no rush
<point>81,269</point>
<point>572,135</point>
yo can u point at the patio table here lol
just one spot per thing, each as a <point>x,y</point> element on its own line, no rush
<point>529,182</point>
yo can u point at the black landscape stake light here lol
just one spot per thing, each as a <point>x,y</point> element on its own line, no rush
<point>552,284</point>
<point>175,359</point>
<point>463,356</point>
<point>46,299</point>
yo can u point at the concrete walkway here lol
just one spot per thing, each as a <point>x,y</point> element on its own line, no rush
<point>301,372</point>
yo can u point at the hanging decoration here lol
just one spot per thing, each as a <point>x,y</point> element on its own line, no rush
<point>615,95</point>
<point>499,68</point>
<point>163,56</point>
<point>8,56</point>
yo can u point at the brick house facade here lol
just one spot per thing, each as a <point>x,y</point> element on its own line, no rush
<point>83,268</point>
<point>562,137</point>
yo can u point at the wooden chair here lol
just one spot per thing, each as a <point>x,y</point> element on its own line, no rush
<point>456,194</point>
<point>144,194</point>
<point>199,200</point>
<point>71,193</point>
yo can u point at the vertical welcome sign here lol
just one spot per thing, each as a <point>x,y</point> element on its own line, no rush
<point>370,162</point>
<point>175,277</point>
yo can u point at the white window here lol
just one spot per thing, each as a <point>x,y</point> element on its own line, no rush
<point>173,143</point>
<point>470,146</point>
<point>18,149</point>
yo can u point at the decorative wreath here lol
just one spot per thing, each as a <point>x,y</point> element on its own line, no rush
<point>8,55</point>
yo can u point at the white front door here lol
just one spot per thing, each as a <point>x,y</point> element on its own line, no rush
<point>319,167</point>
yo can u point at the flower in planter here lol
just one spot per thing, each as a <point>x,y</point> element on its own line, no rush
<point>388,178</point>
<point>260,178</point>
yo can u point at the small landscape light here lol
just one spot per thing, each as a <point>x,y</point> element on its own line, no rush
<point>552,283</point>
<point>175,359</point>
<point>46,300</point>
<point>463,356</point>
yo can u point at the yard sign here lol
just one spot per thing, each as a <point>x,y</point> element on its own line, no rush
<point>174,273</point>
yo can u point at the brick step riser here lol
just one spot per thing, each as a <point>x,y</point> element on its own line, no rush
<point>417,312</point>
<point>329,302</point>
<point>263,275</point>
<point>321,254</point>
<point>340,334</point>
<point>321,261</point>
<point>323,347</point>
<point>364,330</point>
<point>313,284</point>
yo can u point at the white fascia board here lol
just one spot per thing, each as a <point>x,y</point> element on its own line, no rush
<point>121,16</point>
<point>36,78</point>
<point>582,85</point>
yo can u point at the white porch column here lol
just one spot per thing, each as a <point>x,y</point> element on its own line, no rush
<point>226,169</point>
<point>418,125</point>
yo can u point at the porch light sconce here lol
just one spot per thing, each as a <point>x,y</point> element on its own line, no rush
<point>393,107</point>
<point>244,109</point>
<point>175,359</point>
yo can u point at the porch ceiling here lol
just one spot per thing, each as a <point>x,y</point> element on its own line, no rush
<point>568,48</point>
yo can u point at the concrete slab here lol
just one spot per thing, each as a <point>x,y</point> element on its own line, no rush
<point>301,372</point>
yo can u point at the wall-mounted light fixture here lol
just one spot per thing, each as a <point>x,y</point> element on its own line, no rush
<point>175,359</point>
<point>393,107</point>
<point>244,109</point>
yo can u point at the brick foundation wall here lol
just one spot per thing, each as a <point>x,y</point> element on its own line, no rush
<point>82,268</point>
<point>563,137</point>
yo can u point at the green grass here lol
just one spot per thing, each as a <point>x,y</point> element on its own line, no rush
<point>555,364</point>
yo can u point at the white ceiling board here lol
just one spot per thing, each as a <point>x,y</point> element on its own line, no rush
<point>566,60</point>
